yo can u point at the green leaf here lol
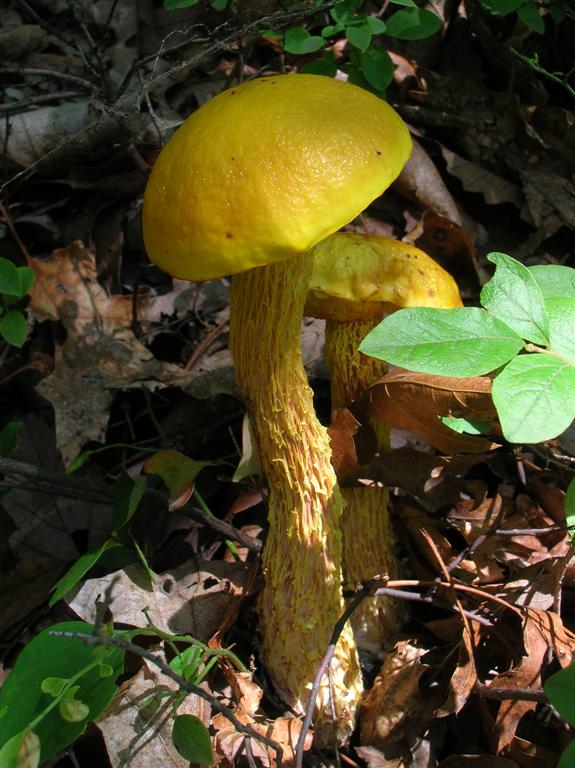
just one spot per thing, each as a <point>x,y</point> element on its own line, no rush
<point>514,297</point>
<point>72,709</point>
<point>178,472</point>
<point>21,751</point>
<point>561,313</point>
<point>408,3</point>
<point>192,740</point>
<point>377,26</point>
<point>13,328</point>
<point>79,570</point>
<point>377,67</point>
<point>219,5</point>
<point>554,280</point>
<point>448,342</point>
<point>324,66</point>
<point>560,690</point>
<point>530,16</point>
<point>15,281</point>
<point>535,398</point>
<point>341,12</point>
<point>9,438</point>
<point>360,36</point>
<point>21,697</point>
<point>502,7</point>
<point>298,40</point>
<point>174,5</point>
<point>570,505</point>
<point>567,759</point>
<point>465,426</point>
<point>128,495</point>
<point>413,24</point>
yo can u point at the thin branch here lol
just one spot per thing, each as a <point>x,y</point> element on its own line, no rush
<point>184,685</point>
<point>515,694</point>
<point>53,73</point>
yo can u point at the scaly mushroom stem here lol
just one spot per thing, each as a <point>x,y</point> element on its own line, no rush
<point>368,540</point>
<point>302,599</point>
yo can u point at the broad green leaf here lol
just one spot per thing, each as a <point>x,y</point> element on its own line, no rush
<point>9,438</point>
<point>178,472</point>
<point>79,570</point>
<point>15,281</point>
<point>21,697</point>
<point>465,426</point>
<point>560,690</point>
<point>530,16</point>
<point>13,328</point>
<point>554,280</point>
<point>377,67</point>
<point>21,751</point>
<point>513,296</point>
<point>535,398</point>
<point>377,26</point>
<point>567,759</point>
<point>341,12</point>
<point>413,24</point>
<point>561,313</point>
<point>359,36</point>
<point>447,342</point>
<point>298,40</point>
<point>570,505</point>
<point>501,7</point>
<point>192,740</point>
<point>128,495</point>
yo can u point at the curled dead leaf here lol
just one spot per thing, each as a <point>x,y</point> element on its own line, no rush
<point>415,401</point>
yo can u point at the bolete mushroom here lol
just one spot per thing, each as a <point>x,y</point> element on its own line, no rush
<point>246,186</point>
<point>356,280</point>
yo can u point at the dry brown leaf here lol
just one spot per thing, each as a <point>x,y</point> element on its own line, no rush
<point>415,401</point>
<point>421,182</point>
<point>464,677</point>
<point>229,743</point>
<point>185,600</point>
<point>542,630</point>
<point>495,189</point>
<point>353,444</point>
<point>137,726</point>
<point>247,693</point>
<point>100,354</point>
<point>527,754</point>
<point>395,701</point>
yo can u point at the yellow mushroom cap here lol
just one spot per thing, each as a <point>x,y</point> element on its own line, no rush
<point>266,170</point>
<point>359,277</point>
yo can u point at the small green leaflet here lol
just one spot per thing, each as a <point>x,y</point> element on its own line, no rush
<point>377,67</point>
<point>514,297</point>
<point>535,398</point>
<point>298,40</point>
<point>447,342</point>
<point>13,328</point>
<point>413,24</point>
<point>192,740</point>
<point>15,281</point>
<point>570,506</point>
<point>561,313</point>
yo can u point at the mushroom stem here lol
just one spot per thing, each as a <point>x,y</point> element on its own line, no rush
<point>368,538</point>
<point>302,599</point>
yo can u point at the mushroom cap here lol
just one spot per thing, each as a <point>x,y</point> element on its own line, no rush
<point>358,277</point>
<point>265,171</point>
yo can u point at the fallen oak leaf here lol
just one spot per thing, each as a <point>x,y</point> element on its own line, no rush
<point>416,401</point>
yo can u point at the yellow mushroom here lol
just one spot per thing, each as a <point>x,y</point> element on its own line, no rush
<point>357,280</point>
<point>247,186</point>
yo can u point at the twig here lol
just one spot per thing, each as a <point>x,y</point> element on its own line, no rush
<point>12,229</point>
<point>184,685</point>
<point>515,694</point>
<point>204,344</point>
<point>338,629</point>
<point>54,73</point>
<point>20,106</point>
